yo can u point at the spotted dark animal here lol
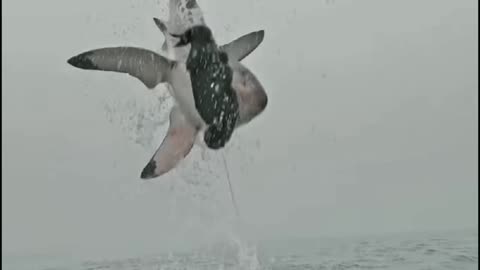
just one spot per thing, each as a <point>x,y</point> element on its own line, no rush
<point>211,79</point>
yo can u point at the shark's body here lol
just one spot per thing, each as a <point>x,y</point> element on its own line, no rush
<point>152,69</point>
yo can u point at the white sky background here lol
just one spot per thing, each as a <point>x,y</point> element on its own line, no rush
<point>370,126</point>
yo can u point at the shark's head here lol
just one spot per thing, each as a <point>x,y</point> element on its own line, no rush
<point>250,92</point>
<point>198,34</point>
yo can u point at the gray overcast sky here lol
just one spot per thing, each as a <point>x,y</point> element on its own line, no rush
<point>371,124</point>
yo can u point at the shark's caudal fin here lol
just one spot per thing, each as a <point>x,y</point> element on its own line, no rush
<point>175,146</point>
<point>185,14</point>
<point>147,66</point>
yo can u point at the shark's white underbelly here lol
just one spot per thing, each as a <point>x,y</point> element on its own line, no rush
<point>180,20</point>
<point>182,92</point>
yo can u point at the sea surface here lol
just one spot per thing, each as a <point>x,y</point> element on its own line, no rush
<point>452,250</point>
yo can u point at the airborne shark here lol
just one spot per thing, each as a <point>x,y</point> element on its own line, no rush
<point>152,69</point>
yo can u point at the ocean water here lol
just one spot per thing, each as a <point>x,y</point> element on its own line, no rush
<point>422,251</point>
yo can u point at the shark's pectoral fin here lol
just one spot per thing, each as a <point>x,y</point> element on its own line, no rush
<point>145,65</point>
<point>244,45</point>
<point>175,146</point>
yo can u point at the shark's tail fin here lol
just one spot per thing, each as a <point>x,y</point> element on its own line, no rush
<point>185,14</point>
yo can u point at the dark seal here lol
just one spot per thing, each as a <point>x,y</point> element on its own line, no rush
<point>211,78</point>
